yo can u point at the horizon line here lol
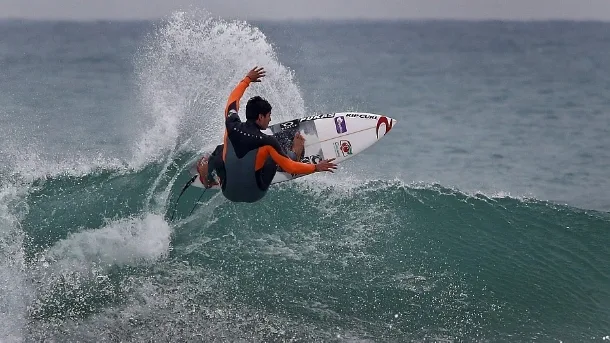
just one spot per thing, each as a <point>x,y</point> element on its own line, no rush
<point>314,19</point>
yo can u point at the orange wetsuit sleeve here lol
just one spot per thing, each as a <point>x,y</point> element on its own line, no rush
<point>236,94</point>
<point>284,162</point>
<point>232,108</point>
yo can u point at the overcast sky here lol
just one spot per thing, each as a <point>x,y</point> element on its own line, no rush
<point>304,9</point>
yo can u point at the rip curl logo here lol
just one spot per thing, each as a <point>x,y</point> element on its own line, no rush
<point>388,125</point>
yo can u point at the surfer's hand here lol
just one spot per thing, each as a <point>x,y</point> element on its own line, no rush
<point>326,165</point>
<point>256,73</point>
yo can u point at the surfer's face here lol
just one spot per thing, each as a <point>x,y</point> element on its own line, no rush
<point>263,120</point>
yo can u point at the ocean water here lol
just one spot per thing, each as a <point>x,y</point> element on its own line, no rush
<point>483,216</point>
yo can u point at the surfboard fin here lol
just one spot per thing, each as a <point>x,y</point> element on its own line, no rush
<point>189,182</point>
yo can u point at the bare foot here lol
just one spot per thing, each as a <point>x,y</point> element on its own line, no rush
<point>202,169</point>
<point>298,145</point>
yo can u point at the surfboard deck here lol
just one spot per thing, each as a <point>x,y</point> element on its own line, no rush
<point>341,135</point>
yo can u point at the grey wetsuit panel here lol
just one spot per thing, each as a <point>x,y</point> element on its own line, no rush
<point>240,181</point>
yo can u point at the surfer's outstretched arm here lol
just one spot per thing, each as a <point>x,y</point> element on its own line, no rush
<point>232,107</point>
<point>233,103</point>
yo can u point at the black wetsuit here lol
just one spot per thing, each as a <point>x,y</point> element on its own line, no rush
<point>248,160</point>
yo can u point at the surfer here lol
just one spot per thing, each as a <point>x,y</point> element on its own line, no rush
<point>248,160</point>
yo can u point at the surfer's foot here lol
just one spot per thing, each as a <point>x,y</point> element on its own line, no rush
<point>202,169</point>
<point>298,145</point>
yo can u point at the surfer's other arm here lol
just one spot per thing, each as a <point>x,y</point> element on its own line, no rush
<point>274,151</point>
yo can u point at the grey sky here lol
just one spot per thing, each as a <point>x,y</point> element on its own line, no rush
<point>304,9</point>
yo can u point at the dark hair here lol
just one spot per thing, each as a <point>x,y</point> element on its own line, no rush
<point>255,106</point>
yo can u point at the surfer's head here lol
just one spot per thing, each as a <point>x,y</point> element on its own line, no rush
<point>258,110</point>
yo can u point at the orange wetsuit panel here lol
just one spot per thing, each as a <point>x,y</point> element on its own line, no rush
<point>285,163</point>
<point>233,104</point>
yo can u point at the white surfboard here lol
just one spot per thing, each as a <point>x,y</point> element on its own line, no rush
<point>334,135</point>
